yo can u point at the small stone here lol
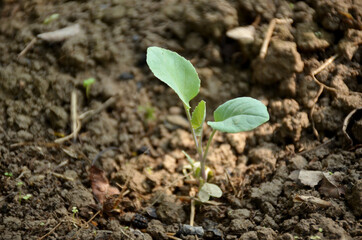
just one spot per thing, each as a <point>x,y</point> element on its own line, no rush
<point>298,162</point>
<point>240,225</point>
<point>126,76</point>
<point>156,230</point>
<point>36,178</point>
<point>23,121</point>
<point>58,117</point>
<point>266,233</point>
<point>112,14</point>
<point>71,174</point>
<point>269,222</point>
<point>267,192</point>
<point>178,120</point>
<point>171,211</point>
<point>169,163</point>
<point>239,213</point>
<point>252,235</point>
<point>175,110</point>
<point>286,236</point>
<point>25,135</point>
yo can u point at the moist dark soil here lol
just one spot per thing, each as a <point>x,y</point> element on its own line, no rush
<point>297,176</point>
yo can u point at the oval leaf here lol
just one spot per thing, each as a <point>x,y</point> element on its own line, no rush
<point>207,190</point>
<point>175,71</point>
<point>198,117</point>
<point>239,114</point>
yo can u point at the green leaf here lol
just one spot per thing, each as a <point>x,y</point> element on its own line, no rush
<point>88,82</point>
<point>175,71</point>
<point>198,117</point>
<point>239,114</point>
<point>207,190</point>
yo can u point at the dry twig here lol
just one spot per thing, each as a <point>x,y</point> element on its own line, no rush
<point>86,116</point>
<point>322,86</point>
<point>51,231</point>
<point>192,214</point>
<point>269,33</point>
<point>86,224</point>
<point>55,36</point>
<point>73,113</point>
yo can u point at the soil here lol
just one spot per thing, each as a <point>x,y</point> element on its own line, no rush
<point>146,124</point>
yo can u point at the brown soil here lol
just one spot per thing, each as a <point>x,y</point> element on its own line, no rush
<point>146,124</point>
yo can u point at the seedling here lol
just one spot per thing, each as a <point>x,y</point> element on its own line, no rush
<point>27,196</point>
<point>19,184</point>
<point>148,112</point>
<point>236,115</point>
<point>51,18</point>
<point>87,85</point>
<point>8,174</point>
<point>74,211</point>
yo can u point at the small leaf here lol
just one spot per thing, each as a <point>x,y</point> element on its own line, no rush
<point>175,71</point>
<point>198,117</point>
<point>199,114</point>
<point>204,196</point>
<point>88,82</point>
<point>239,114</point>
<point>207,190</point>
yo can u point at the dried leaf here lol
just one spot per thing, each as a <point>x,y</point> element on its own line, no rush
<point>61,34</point>
<point>100,185</point>
<point>317,201</point>
<point>330,186</point>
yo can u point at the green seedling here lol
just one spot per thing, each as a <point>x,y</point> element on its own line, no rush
<point>236,115</point>
<point>87,83</point>
<point>51,18</point>
<point>74,211</point>
<point>148,112</point>
<point>8,174</point>
<point>318,34</point>
<point>27,196</point>
<point>19,184</point>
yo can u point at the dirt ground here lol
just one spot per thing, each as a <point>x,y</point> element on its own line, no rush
<point>297,176</point>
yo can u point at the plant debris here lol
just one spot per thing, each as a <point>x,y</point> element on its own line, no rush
<point>61,34</point>
<point>329,182</point>
<point>352,127</point>
<point>100,185</point>
<point>314,200</point>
